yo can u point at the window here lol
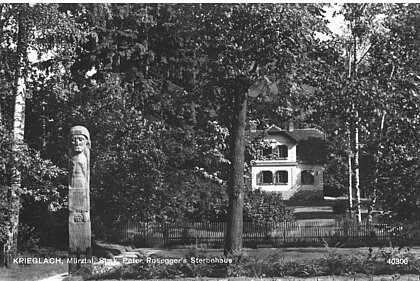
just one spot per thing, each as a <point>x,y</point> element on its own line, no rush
<point>281,177</point>
<point>265,177</point>
<point>307,177</point>
<point>281,151</point>
<point>267,151</point>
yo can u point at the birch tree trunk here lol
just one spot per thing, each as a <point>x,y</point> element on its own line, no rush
<point>357,168</point>
<point>355,123</point>
<point>10,247</point>
<point>376,171</point>
<point>350,178</point>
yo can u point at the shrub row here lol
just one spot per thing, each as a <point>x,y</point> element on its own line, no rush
<point>381,262</point>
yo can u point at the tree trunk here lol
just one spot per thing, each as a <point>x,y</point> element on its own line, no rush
<point>357,168</point>
<point>376,171</point>
<point>354,169</point>
<point>350,181</point>
<point>233,239</point>
<point>10,246</point>
<point>355,135</point>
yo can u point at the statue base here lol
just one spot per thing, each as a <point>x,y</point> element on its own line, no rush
<point>80,251</point>
<point>81,262</point>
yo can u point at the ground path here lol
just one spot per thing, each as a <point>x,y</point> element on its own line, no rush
<point>58,277</point>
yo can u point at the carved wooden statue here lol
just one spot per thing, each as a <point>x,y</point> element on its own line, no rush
<point>79,199</point>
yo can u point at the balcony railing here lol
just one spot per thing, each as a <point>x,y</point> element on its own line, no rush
<point>272,156</point>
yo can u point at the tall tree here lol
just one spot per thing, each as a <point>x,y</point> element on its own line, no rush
<point>246,51</point>
<point>350,90</point>
<point>19,26</point>
<point>10,246</point>
<point>366,86</point>
<point>396,60</point>
<point>371,98</point>
<point>133,89</point>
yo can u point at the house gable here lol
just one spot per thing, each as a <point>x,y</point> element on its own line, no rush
<point>299,173</point>
<point>310,144</point>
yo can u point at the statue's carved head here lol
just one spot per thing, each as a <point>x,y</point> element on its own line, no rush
<point>79,139</point>
<point>78,217</point>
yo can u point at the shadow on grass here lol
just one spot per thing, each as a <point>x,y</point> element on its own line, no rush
<point>46,262</point>
<point>32,272</point>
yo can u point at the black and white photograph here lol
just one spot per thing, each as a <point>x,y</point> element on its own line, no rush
<point>209,141</point>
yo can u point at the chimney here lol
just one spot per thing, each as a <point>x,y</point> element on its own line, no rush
<point>291,126</point>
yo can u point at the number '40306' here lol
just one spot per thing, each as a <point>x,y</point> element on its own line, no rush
<point>397,261</point>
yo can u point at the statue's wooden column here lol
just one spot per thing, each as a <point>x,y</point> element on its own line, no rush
<point>79,199</point>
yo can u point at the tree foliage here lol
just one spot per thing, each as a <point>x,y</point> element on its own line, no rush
<point>253,50</point>
<point>363,87</point>
<point>167,90</point>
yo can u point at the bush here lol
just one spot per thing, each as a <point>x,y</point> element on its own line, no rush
<point>263,206</point>
<point>27,237</point>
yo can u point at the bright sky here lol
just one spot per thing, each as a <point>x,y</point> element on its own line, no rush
<point>336,22</point>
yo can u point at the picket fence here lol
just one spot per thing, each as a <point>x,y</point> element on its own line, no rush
<point>298,233</point>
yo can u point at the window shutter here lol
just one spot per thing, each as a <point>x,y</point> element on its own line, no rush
<point>259,178</point>
<point>277,151</point>
<point>285,151</point>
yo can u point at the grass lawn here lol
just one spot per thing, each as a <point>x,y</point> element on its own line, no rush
<point>32,272</point>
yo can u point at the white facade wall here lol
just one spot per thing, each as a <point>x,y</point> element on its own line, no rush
<point>293,169</point>
<point>318,176</point>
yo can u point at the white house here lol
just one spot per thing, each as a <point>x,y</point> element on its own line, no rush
<point>290,161</point>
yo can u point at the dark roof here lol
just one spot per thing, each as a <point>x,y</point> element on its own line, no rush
<point>305,134</point>
<point>311,145</point>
